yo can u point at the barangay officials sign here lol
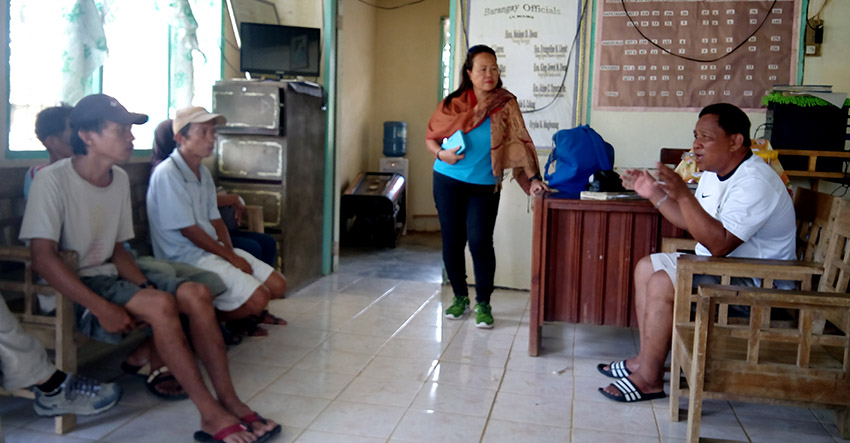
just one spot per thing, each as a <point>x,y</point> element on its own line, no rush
<point>534,44</point>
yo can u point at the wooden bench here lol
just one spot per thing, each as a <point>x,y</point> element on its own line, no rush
<point>18,282</point>
<point>811,171</point>
<point>757,359</point>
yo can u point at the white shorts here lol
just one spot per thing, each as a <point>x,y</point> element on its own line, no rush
<point>240,285</point>
<point>667,261</point>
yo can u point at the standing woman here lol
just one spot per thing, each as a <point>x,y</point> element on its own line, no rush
<point>467,183</point>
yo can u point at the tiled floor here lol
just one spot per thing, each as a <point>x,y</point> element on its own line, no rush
<point>368,357</point>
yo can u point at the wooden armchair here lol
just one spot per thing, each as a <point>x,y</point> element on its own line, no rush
<point>756,359</point>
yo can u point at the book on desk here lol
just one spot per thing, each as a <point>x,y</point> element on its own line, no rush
<point>619,195</point>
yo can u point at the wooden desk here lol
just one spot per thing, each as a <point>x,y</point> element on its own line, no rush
<point>583,258</point>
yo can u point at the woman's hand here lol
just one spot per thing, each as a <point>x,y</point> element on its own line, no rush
<point>538,187</point>
<point>450,155</point>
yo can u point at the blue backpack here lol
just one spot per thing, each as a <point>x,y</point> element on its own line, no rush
<point>578,153</point>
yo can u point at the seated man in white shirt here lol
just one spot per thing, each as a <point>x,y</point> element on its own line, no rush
<point>186,225</point>
<point>83,204</point>
<point>741,209</point>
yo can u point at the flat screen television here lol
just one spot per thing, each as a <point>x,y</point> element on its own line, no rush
<point>280,50</point>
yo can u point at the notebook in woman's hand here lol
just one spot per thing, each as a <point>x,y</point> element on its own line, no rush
<point>457,139</point>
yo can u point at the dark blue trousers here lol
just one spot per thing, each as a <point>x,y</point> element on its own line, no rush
<point>467,214</point>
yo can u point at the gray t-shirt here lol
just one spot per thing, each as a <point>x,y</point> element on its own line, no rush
<point>79,216</point>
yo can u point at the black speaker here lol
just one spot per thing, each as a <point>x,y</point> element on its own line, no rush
<point>813,128</point>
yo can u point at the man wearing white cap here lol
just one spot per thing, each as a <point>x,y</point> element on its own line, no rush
<point>186,225</point>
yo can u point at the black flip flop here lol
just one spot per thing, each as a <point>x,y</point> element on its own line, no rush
<point>205,437</point>
<point>616,369</point>
<point>631,393</point>
<point>230,339</point>
<point>255,416</point>
<point>245,327</point>
<point>275,320</point>
<point>158,377</point>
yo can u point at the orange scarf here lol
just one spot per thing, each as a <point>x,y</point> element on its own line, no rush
<point>510,145</point>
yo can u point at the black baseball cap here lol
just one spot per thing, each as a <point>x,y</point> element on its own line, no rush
<point>103,107</point>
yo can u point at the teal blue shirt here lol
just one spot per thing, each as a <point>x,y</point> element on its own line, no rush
<point>476,167</point>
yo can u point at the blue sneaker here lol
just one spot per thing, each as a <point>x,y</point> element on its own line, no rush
<point>79,396</point>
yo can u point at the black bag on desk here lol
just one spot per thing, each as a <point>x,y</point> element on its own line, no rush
<point>605,181</point>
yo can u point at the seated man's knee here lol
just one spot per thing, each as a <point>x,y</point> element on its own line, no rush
<point>195,293</point>
<point>276,284</point>
<point>258,300</point>
<point>156,305</point>
<point>660,287</point>
<point>644,267</point>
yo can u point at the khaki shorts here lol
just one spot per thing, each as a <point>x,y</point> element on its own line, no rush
<point>183,271</point>
<point>118,291</point>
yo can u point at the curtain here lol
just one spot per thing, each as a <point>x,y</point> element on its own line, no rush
<point>184,42</point>
<point>85,48</point>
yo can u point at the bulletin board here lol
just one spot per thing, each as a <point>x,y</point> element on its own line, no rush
<point>534,45</point>
<point>704,52</point>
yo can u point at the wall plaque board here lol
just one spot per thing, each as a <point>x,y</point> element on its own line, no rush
<point>631,72</point>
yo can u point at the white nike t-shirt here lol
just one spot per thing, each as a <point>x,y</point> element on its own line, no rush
<point>753,205</point>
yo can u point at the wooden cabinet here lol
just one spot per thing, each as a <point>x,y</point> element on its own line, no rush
<point>271,152</point>
<point>583,258</point>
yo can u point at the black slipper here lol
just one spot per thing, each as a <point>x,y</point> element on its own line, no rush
<point>631,393</point>
<point>158,377</point>
<point>205,437</point>
<point>267,318</point>
<point>616,369</point>
<point>246,327</point>
<point>129,369</point>
<point>230,339</point>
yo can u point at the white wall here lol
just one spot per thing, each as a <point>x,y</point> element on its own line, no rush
<point>637,137</point>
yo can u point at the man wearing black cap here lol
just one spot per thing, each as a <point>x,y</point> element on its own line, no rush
<point>83,204</point>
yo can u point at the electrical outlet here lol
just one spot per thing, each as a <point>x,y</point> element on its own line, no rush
<point>814,37</point>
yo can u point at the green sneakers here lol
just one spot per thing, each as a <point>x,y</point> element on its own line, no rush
<point>483,317</point>
<point>459,307</point>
